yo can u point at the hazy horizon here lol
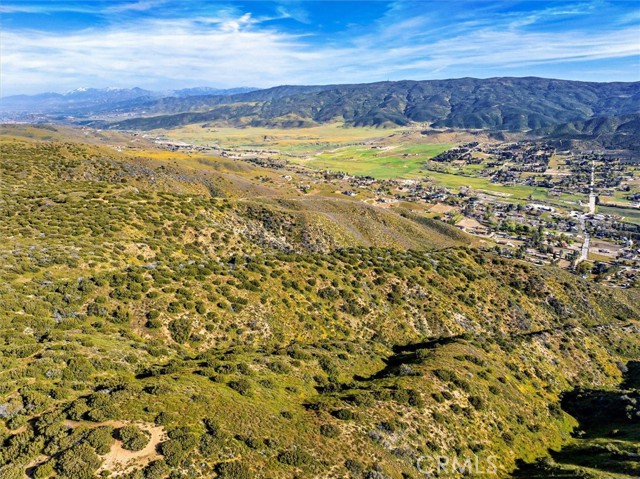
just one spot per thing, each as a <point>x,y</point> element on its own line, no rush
<point>89,87</point>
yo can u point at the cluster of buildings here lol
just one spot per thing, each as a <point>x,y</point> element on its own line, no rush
<point>561,231</point>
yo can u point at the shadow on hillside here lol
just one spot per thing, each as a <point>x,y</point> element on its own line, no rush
<point>407,354</point>
<point>607,439</point>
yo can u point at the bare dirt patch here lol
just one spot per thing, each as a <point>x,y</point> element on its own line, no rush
<point>119,460</point>
<point>441,208</point>
<point>469,223</point>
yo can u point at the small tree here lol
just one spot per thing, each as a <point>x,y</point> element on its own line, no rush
<point>133,438</point>
<point>101,439</point>
<point>79,462</point>
<point>180,329</point>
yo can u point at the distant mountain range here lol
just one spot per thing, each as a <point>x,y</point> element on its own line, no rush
<point>513,104</point>
<point>606,113</point>
<point>85,100</point>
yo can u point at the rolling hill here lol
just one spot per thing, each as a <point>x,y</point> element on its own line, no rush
<point>621,132</point>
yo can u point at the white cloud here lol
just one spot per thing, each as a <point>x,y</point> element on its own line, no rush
<point>48,7</point>
<point>140,6</point>
<point>233,50</point>
<point>16,9</point>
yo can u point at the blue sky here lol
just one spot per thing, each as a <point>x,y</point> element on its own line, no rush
<point>48,45</point>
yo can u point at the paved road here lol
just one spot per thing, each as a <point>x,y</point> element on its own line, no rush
<point>584,251</point>
<point>592,203</point>
<point>592,194</point>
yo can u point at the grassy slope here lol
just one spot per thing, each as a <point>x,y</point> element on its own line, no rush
<point>153,289</point>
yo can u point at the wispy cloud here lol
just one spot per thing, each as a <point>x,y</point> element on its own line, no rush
<point>293,11</point>
<point>16,9</point>
<point>552,13</point>
<point>235,48</point>
<point>38,7</point>
<point>139,6</point>
<point>96,7</point>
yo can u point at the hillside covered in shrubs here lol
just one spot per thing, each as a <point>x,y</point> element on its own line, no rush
<point>157,320</point>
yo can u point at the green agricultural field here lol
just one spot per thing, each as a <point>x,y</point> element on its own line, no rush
<point>296,140</point>
<point>630,215</point>
<point>381,163</point>
<point>358,151</point>
<point>456,181</point>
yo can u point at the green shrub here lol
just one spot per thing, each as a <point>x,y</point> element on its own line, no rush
<point>477,402</point>
<point>156,470</point>
<point>133,438</point>
<point>233,470</point>
<point>344,414</point>
<point>44,471</point>
<point>79,462</point>
<point>154,323</point>
<point>77,410</point>
<point>101,438</point>
<point>295,457</point>
<point>12,471</point>
<point>180,330</point>
<point>242,386</point>
<point>444,375</point>
<point>120,315</point>
<point>329,430</point>
<point>103,407</point>
<point>177,448</point>
<point>279,367</point>
<point>438,397</point>
<point>508,438</point>
<point>363,399</point>
<point>354,467</point>
<point>77,369</point>
<point>209,445</point>
<point>173,453</point>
